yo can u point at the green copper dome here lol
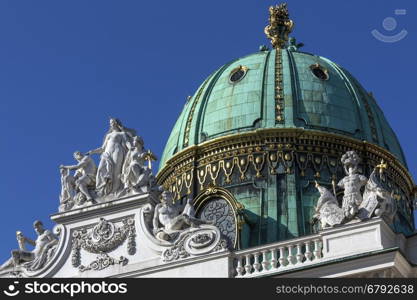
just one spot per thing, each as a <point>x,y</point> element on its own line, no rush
<point>262,130</point>
<point>280,89</point>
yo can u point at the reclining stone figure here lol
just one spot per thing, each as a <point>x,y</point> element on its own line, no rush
<point>168,220</point>
<point>37,258</point>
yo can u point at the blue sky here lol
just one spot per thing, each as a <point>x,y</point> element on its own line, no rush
<point>67,66</point>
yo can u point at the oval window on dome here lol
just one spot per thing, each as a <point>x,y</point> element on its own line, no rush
<point>319,72</point>
<point>237,74</point>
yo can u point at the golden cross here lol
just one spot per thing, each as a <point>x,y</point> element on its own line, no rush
<point>381,167</point>
<point>149,156</point>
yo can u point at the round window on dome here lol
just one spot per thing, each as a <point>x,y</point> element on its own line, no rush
<point>237,74</point>
<point>319,72</point>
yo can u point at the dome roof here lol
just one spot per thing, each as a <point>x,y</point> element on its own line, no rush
<point>280,89</point>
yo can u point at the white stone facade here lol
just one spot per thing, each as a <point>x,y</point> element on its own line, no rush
<point>362,249</point>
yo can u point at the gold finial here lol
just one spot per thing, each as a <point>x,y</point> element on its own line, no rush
<point>279,26</point>
<point>149,156</point>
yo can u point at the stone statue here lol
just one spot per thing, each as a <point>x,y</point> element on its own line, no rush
<point>376,200</point>
<point>122,170</point>
<point>168,220</point>
<point>113,152</point>
<point>352,184</point>
<point>84,175</point>
<point>136,176</point>
<point>66,198</point>
<point>327,210</point>
<point>34,260</point>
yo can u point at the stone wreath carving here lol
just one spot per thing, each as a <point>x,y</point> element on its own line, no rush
<point>102,238</point>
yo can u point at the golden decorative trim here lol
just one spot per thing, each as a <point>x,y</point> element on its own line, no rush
<point>186,139</point>
<point>374,132</point>
<point>279,88</point>
<point>370,114</point>
<point>268,149</point>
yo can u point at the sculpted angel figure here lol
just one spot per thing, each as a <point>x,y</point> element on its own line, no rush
<point>136,176</point>
<point>113,152</point>
<point>168,220</point>
<point>352,184</point>
<point>35,259</point>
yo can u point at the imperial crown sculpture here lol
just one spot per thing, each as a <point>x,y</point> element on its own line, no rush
<point>281,164</point>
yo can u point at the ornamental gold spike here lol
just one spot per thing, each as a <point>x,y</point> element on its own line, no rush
<point>279,26</point>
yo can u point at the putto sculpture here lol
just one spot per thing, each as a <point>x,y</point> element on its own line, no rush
<point>36,259</point>
<point>121,171</point>
<point>375,201</point>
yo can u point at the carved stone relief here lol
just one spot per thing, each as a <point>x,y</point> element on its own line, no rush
<point>101,239</point>
<point>195,242</point>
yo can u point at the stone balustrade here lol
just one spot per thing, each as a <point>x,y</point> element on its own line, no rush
<point>278,257</point>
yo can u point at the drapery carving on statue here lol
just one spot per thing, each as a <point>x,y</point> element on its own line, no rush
<point>376,201</point>
<point>113,152</point>
<point>44,249</point>
<point>104,237</point>
<point>121,171</point>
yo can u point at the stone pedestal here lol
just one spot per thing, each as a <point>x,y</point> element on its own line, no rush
<point>361,237</point>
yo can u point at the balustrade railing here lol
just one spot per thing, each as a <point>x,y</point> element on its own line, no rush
<point>278,256</point>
